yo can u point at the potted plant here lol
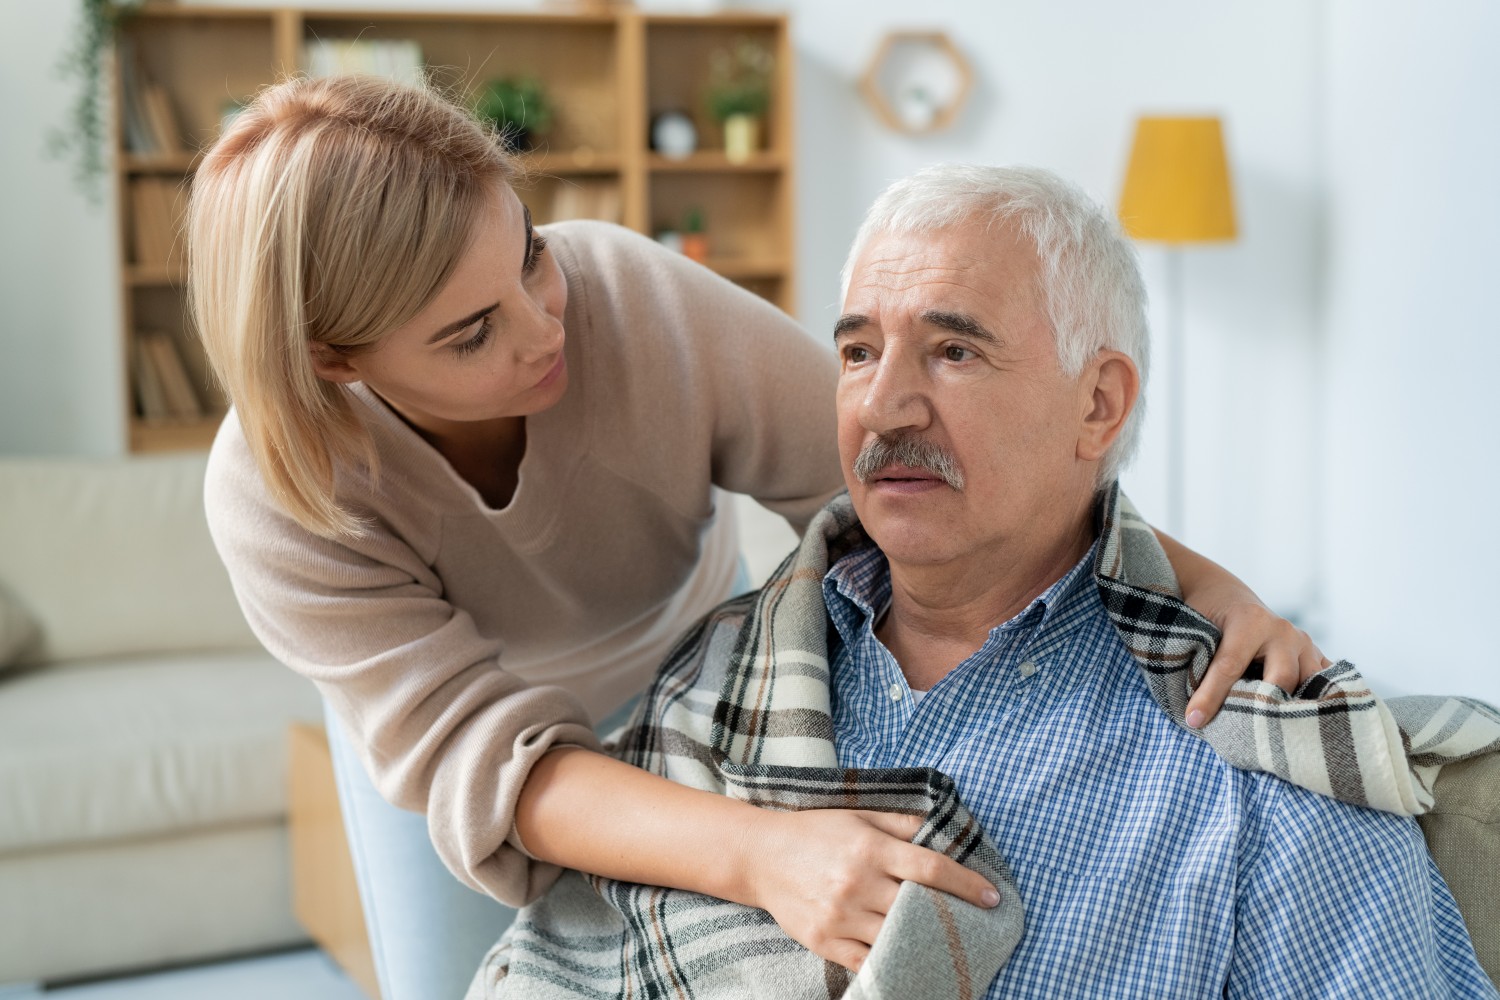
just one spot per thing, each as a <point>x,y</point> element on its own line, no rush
<point>519,109</point>
<point>83,134</point>
<point>739,94</point>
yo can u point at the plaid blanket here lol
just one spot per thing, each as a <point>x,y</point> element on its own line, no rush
<point>742,707</point>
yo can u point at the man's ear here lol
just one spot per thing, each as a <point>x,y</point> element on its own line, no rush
<point>1111,385</point>
<point>331,364</point>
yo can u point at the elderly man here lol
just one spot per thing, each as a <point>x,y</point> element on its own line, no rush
<point>983,618</point>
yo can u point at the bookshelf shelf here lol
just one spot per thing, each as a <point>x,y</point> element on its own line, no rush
<point>147,275</point>
<point>574,163</point>
<point>158,163</point>
<point>706,161</point>
<point>181,69</point>
<point>737,268</point>
<point>173,435</point>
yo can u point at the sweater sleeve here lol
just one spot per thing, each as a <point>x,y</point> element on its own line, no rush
<point>729,372</point>
<point>440,725</point>
<point>775,426</point>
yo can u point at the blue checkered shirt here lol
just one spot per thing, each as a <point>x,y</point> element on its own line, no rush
<point>1147,866</point>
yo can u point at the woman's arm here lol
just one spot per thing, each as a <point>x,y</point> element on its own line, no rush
<point>445,730</point>
<point>1251,630</point>
<point>828,877</point>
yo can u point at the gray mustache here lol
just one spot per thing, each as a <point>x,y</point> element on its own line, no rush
<point>911,451</point>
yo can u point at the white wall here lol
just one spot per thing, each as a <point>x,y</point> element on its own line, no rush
<point>61,386</point>
<point>1413,343</point>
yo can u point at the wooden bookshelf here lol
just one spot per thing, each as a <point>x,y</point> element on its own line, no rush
<point>606,73</point>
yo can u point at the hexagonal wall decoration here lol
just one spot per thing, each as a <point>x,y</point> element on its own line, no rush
<point>917,81</point>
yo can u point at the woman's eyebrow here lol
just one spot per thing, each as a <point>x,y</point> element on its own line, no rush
<point>454,327</point>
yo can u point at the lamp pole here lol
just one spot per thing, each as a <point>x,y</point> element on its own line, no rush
<point>1176,458</point>
<point>1177,191</point>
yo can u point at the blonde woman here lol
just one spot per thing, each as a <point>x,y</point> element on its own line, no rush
<point>470,487</point>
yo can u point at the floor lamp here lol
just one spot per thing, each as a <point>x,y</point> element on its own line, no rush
<point>1177,192</point>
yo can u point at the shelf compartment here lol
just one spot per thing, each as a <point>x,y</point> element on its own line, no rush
<point>741,212</point>
<point>164,308</point>
<point>574,57</point>
<point>205,61</point>
<point>553,199</point>
<point>679,54</point>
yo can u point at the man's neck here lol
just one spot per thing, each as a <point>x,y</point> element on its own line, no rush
<point>941,614</point>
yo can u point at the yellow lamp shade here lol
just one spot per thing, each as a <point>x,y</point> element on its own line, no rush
<point>1177,187</point>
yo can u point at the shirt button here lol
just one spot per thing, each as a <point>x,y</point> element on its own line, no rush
<point>1027,668</point>
<point>898,691</point>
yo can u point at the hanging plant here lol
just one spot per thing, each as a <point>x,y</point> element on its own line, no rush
<point>82,136</point>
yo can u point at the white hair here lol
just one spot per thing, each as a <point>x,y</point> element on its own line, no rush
<point>1089,277</point>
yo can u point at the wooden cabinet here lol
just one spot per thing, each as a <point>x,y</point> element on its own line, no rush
<point>181,69</point>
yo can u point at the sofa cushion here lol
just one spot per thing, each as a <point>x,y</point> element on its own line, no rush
<point>97,751</point>
<point>135,904</point>
<point>17,630</point>
<point>113,557</point>
<point>1463,833</point>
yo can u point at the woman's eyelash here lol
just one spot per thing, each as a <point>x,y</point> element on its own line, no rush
<point>538,247</point>
<point>474,343</point>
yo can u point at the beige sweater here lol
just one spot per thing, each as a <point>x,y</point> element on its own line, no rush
<point>458,643</point>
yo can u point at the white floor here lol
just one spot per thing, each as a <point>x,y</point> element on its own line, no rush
<point>293,975</point>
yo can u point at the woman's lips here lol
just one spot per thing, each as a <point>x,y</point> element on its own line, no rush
<point>558,367</point>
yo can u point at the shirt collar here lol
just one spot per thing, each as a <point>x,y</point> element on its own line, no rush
<point>857,592</point>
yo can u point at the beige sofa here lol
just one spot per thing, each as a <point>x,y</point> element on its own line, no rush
<point>142,729</point>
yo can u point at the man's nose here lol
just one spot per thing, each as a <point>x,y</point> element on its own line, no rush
<point>897,396</point>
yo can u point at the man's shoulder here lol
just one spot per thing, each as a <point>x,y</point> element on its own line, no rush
<point>1325,823</point>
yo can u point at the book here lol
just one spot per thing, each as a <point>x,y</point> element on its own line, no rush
<point>160,118</point>
<point>150,397</point>
<point>177,386</point>
<point>136,127</point>
<point>391,58</point>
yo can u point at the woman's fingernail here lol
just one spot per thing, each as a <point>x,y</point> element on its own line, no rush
<point>1195,719</point>
<point>991,897</point>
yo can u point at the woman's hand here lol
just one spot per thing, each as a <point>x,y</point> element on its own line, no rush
<point>829,876</point>
<point>1251,630</point>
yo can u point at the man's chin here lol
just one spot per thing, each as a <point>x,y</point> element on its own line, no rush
<point>910,526</point>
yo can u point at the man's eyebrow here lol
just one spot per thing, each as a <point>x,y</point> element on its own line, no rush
<point>848,323</point>
<point>458,325</point>
<point>960,323</point>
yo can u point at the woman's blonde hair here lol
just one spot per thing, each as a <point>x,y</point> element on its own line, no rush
<point>331,211</point>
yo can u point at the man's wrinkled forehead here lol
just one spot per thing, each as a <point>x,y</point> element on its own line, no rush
<point>899,262</point>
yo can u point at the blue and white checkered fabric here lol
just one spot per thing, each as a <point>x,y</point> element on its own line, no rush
<point>1147,866</point>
